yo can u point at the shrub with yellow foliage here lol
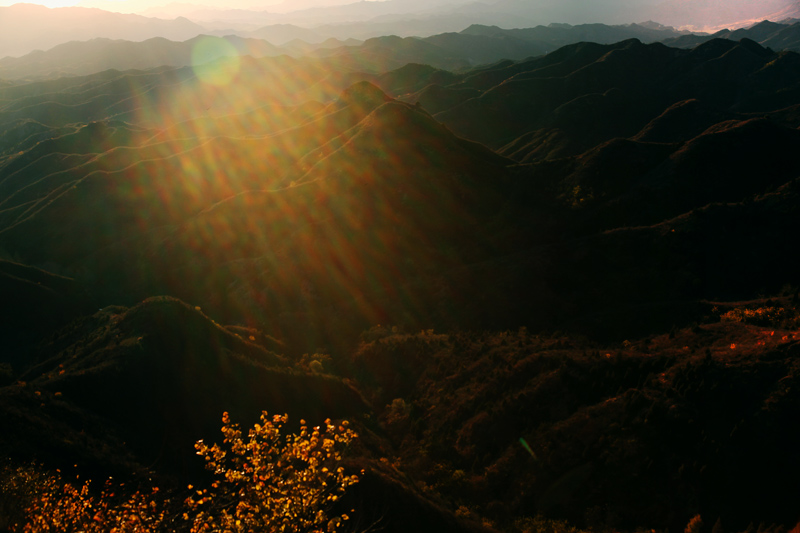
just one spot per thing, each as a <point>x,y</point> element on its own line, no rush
<point>265,482</point>
<point>269,483</point>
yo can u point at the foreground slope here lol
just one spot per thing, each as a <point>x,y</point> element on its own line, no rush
<point>128,391</point>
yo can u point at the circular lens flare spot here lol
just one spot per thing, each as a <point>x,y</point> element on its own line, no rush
<point>215,60</point>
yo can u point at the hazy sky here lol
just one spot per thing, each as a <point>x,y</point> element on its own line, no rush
<point>133,6</point>
<point>54,3</point>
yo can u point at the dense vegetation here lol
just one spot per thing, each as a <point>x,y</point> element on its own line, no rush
<point>264,482</point>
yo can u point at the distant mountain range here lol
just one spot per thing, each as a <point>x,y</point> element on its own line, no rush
<point>472,46</point>
<point>28,27</point>
<point>705,15</point>
<point>25,27</point>
<point>778,36</point>
<point>697,14</point>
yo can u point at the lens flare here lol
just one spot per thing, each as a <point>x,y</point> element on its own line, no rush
<point>215,60</point>
<point>527,448</point>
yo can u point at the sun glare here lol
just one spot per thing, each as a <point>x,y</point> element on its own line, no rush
<point>206,55</point>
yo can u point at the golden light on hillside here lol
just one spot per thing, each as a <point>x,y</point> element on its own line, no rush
<point>231,151</point>
<point>281,195</point>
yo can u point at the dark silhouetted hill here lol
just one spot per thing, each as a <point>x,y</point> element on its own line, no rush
<point>598,92</point>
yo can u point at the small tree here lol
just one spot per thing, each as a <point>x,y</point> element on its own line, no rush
<point>273,483</point>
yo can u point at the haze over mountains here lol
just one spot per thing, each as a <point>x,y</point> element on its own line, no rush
<point>544,272</point>
<point>475,45</point>
<point>27,27</point>
<point>472,46</point>
<point>699,14</point>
